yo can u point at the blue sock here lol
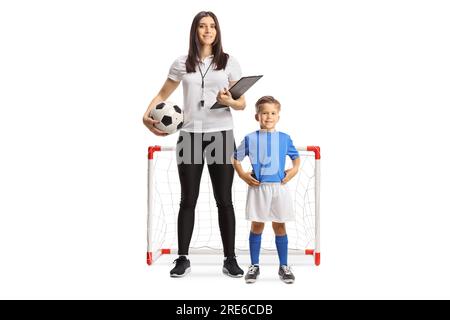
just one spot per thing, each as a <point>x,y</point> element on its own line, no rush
<point>282,248</point>
<point>255,247</point>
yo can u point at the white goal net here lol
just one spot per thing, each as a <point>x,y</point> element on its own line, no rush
<point>164,198</point>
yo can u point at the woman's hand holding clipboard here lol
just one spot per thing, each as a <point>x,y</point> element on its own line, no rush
<point>238,89</point>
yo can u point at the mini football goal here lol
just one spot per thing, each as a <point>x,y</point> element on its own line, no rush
<point>164,198</point>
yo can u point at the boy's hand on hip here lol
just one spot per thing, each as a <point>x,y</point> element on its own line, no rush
<point>290,173</point>
<point>247,177</point>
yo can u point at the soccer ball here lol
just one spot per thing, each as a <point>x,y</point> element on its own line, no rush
<point>169,115</point>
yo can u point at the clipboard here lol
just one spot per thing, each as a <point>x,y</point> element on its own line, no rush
<point>238,89</point>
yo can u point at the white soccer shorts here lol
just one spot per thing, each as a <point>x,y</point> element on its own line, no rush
<point>269,202</point>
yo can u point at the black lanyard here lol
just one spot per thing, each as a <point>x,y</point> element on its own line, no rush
<point>202,101</point>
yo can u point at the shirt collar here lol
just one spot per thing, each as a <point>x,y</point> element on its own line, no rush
<point>210,57</point>
<point>267,131</point>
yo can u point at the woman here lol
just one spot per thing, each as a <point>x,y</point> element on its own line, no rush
<point>206,73</point>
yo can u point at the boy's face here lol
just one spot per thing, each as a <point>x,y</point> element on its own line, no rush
<point>268,116</point>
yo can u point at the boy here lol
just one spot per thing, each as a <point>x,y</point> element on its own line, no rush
<point>268,196</point>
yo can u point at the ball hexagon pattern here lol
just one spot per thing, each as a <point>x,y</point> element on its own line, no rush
<point>169,115</point>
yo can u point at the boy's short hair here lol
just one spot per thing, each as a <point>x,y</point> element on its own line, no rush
<point>266,99</point>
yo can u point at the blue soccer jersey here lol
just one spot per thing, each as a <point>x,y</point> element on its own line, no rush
<point>267,152</point>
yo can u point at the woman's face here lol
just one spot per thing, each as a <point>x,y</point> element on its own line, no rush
<point>206,31</point>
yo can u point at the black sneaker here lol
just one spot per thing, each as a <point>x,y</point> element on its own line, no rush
<point>286,274</point>
<point>252,274</point>
<point>231,268</point>
<point>182,267</point>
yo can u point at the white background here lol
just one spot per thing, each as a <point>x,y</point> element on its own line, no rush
<point>368,81</point>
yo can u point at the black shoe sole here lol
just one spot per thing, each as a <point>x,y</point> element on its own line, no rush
<point>174,275</point>
<point>226,272</point>
<point>288,281</point>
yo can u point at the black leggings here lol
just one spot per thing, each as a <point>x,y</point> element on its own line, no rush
<point>192,149</point>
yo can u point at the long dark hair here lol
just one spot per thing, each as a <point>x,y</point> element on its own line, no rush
<point>220,58</point>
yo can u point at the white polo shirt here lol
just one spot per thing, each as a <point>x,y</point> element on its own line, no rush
<point>196,117</point>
